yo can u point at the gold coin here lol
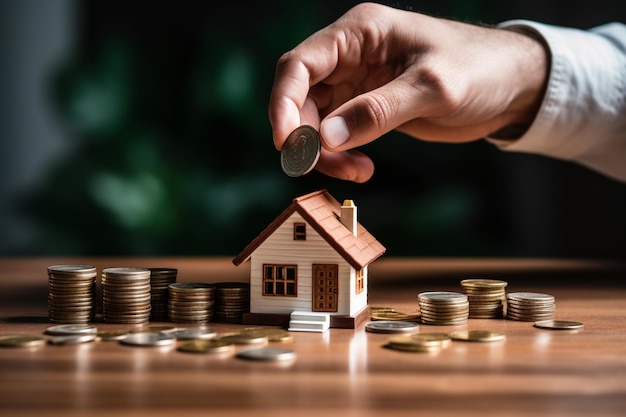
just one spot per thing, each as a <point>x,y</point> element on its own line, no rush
<point>559,324</point>
<point>273,335</point>
<point>207,346</point>
<point>477,336</point>
<point>21,341</point>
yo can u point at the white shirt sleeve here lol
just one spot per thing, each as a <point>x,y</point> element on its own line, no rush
<point>583,114</point>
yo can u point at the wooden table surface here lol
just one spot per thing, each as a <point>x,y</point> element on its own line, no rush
<point>342,372</point>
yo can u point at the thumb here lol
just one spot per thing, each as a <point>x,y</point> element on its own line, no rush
<point>368,116</point>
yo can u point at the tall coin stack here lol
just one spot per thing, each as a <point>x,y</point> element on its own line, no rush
<point>126,295</point>
<point>443,308</point>
<point>530,306</point>
<point>160,279</point>
<point>71,293</point>
<point>486,297</point>
<point>232,300</point>
<point>190,302</point>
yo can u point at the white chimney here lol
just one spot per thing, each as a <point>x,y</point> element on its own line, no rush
<point>348,216</point>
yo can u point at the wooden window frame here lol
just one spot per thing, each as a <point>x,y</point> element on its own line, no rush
<point>299,234</point>
<point>360,280</point>
<point>277,276</point>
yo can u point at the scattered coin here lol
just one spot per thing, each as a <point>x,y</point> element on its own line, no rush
<point>391,326</point>
<point>267,354</point>
<point>154,329</point>
<point>193,333</point>
<point>207,346</point>
<point>477,336</point>
<point>559,324</point>
<point>21,341</point>
<point>272,334</point>
<point>420,342</point>
<point>244,339</point>
<point>71,339</point>
<point>148,339</point>
<point>393,315</point>
<point>111,336</point>
<point>72,329</point>
<point>301,151</point>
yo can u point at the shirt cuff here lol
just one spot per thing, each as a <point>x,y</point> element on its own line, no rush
<point>582,117</point>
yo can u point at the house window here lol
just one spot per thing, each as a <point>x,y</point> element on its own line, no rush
<point>360,281</point>
<point>280,280</point>
<point>299,231</point>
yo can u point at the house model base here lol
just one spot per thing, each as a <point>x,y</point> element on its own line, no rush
<point>338,322</point>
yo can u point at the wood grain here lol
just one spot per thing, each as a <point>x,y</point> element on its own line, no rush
<point>342,372</point>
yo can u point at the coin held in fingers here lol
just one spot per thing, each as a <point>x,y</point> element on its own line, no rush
<point>301,151</point>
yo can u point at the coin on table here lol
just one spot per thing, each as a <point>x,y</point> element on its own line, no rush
<point>71,339</point>
<point>207,346</point>
<point>559,324</point>
<point>272,334</point>
<point>301,151</point>
<point>267,354</point>
<point>72,329</point>
<point>148,339</point>
<point>193,333</point>
<point>391,326</point>
<point>111,336</point>
<point>420,342</point>
<point>477,336</point>
<point>21,341</point>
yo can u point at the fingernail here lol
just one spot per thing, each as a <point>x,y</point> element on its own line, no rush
<point>335,131</point>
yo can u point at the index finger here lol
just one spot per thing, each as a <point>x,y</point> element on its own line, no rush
<point>296,72</point>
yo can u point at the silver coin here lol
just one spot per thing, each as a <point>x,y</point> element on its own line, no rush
<point>148,339</point>
<point>72,329</point>
<point>391,326</point>
<point>71,339</point>
<point>301,151</point>
<point>267,354</point>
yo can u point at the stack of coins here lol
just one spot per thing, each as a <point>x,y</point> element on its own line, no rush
<point>530,306</point>
<point>160,279</point>
<point>486,297</point>
<point>443,308</point>
<point>71,293</point>
<point>190,302</point>
<point>126,295</point>
<point>232,300</point>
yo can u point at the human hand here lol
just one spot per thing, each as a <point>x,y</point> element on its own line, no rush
<point>377,69</point>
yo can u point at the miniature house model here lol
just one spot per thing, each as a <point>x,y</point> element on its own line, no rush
<point>314,258</point>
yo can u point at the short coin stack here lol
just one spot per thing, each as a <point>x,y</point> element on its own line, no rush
<point>190,302</point>
<point>530,306</point>
<point>126,295</point>
<point>486,297</point>
<point>71,293</point>
<point>160,279</point>
<point>443,308</point>
<point>232,300</point>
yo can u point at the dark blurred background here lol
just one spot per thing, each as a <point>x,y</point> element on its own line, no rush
<point>140,128</point>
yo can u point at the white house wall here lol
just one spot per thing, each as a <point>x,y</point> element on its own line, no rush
<point>281,248</point>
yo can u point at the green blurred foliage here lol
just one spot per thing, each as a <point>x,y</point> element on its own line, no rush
<point>172,151</point>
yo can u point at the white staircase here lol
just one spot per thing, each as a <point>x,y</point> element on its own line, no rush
<point>308,321</point>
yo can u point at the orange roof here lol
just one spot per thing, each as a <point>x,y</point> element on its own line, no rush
<point>323,213</point>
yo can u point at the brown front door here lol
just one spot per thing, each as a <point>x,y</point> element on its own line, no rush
<point>325,287</point>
